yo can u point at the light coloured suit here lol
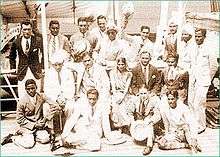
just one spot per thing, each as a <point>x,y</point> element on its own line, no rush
<point>99,78</point>
<point>28,114</point>
<point>203,68</point>
<point>62,43</point>
<point>88,125</point>
<point>66,89</point>
<point>180,126</point>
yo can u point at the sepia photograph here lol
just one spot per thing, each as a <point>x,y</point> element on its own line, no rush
<point>109,78</point>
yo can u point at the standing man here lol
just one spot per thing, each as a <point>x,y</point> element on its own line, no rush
<point>100,31</point>
<point>110,48</point>
<point>56,40</point>
<point>83,35</point>
<point>139,42</point>
<point>203,68</point>
<point>186,46</point>
<point>29,49</point>
<point>171,39</point>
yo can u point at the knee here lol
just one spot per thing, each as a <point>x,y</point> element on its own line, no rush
<point>26,141</point>
<point>42,136</point>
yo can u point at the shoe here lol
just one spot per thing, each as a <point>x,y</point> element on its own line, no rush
<point>7,139</point>
<point>147,150</point>
<point>201,131</point>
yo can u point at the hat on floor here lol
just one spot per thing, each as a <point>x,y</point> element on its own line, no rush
<point>138,130</point>
<point>115,137</point>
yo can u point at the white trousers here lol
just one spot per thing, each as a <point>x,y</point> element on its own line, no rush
<point>21,84</point>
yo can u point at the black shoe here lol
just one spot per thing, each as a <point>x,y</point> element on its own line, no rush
<point>7,139</point>
<point>147,150</point>
<point>54,147</point>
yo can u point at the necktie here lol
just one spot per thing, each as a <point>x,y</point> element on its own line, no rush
<point>171,74</point>
<point>93,110</point>
<point>145,74</point>
<point>59,78</point>
<point>27,47</point>
<point>53,45</point>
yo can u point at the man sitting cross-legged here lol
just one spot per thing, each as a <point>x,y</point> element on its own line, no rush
<point>30,119</point>
<point>179,124</point>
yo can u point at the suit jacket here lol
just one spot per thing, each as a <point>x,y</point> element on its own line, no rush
<point>138,80</point>
<point>28,113</point>
<point>100,76</point>
<point>181,80</point>
<point>31,60</point>
<point>203,64</point>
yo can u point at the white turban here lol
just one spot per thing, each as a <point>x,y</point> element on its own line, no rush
<point>188,28</point>
<point>173,20</point>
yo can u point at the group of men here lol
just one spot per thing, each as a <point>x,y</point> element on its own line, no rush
<point>77,86</point>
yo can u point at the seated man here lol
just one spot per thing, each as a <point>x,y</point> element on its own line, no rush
<point>174,77</point>
<point>90,120</point>
<point>146,115</point>
<point>179,124</point>
<point>30,119</point>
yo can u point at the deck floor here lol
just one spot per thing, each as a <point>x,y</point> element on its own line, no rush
<point>209,141</point>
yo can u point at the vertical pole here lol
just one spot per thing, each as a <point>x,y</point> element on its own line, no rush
<point>44,34</point>
<point>113,7</point>
<point>162,25</point>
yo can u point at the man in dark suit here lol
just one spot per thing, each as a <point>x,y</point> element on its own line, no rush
<point>29,49</point>
<point>145,75</point>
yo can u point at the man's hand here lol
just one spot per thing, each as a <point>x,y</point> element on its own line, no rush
<point>39,125</point>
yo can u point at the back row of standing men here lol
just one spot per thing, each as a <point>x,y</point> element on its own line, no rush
<point>120,67</point>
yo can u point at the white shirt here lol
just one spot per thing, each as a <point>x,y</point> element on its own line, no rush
<point>53,45</point>
<point>23,43</point>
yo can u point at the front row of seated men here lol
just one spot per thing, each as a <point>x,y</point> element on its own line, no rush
<point>135,104</point>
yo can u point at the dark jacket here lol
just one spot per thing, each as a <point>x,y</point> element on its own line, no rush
<point>31,60</point>
<point>138,79</point>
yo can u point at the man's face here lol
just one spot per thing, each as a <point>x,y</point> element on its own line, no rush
<point>54,29</point>
<point>171,62</point>
<point>102,24</point>
<point>186,36</point>
<point>31,89</point>
<point>145,59</point>
<point>121,66</point>
<point>112,34</point>
<point>87,61</point>
<point>83,26</point>
<point>92,99</point>
<point>173,28</point>
<point>172,101</point>
<point>145,33</point>
<point>199,37</point>
<point>26,30</point>
<point>58,66</point>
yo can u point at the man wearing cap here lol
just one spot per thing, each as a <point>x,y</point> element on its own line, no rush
<point>90,120</point>
<point>180,125</point>
<point>146,115</point>
<point>110,48</point>
<point>30,119</point>
<point>171,39</point>
<point>29,49</point>
<point>186,46</point>
<point>203,68</point>
<point>85,35</point>
<point>56,40</point>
